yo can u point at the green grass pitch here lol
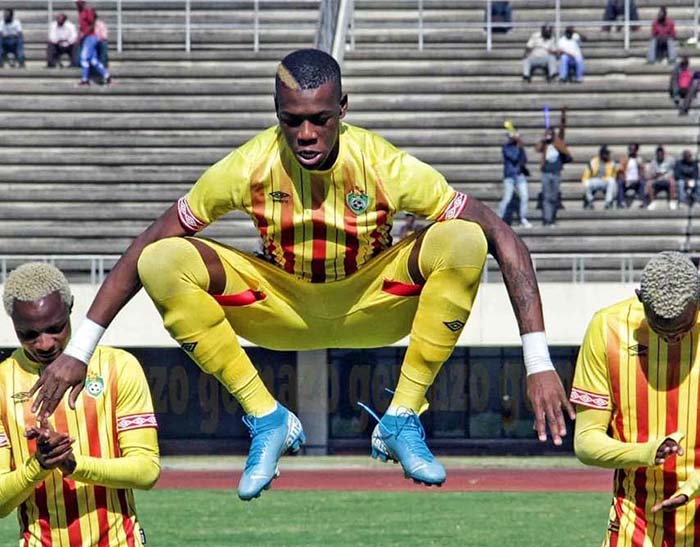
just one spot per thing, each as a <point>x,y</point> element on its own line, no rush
<point>216,518</point>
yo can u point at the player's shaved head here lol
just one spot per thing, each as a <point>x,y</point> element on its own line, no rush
<point>33,281</point>
<point>670,282</point>
<point>307,69</point>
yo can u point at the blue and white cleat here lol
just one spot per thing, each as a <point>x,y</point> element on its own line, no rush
<point>272,436</point>
<point>401,438</point>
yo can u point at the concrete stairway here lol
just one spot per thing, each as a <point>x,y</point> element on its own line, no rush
<point>84,170</point>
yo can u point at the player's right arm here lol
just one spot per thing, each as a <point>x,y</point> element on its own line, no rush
<point>591,392</point>
<point>17,484</point>
<point>211,197</point>
<point>119,287</point>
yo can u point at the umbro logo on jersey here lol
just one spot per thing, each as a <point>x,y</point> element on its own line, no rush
<point>279,197</point>
<point>189,346</point>
<point>21,397</point>
<point>454,326</point>
<point>637,349</point>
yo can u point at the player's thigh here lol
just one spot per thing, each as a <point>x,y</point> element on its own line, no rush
<point>259,300</point>
<point>387,292</point>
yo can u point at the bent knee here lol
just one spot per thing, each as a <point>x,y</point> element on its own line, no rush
<point>453,243</point>
<point>171,262</point>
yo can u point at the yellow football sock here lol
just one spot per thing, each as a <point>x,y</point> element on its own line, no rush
<point>175,277</point>
<point>452,256</point>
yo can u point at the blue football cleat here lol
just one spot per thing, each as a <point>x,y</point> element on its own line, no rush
<point>272,435</point>
<point>401,438</point>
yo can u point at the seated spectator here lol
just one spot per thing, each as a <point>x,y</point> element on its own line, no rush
<point>88,46</point>
<point>630,176</point>
<point>570,54</point>
<point>615,9</point>
<point>683,85</point>
<point>553,155</point>
<point>599,175</point>
<point>663,38</point>
<point>685,172</point>
<point>103,37</point>
<point>11,38</point>
<point>501,12</point>
<point>63,40</point>
<point>540,52</point>
<point>514,172</point>
<point>660,179</point>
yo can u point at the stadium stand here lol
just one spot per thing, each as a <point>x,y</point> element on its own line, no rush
<point>84,171</point>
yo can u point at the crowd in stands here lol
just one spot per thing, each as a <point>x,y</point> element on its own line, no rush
<point>622,182</point>
<point>85,46</point>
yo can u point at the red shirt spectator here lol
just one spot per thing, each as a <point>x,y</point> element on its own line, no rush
<point>86,18</point>
<point>663,26</point>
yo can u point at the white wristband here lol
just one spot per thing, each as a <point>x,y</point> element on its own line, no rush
<point>84,341</point>
<point>536,353</point>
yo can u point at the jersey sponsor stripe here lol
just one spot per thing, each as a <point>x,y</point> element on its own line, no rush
<point>92,420</point>
<point>70,499</point>
<point>642,422</point>
<point>319,231</point>
<point>613,352</point>
<point>670,482</point>
<point>127,523</point>
<point>43,508</point>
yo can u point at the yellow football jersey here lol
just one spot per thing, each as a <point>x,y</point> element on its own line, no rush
<point>59,510</point>
<point>320,225</point>
<point>651,389</point>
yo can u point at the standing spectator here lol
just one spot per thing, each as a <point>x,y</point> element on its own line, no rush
<point>635,388</point>
<point>599,174</point>
<point>663,38</point>
<point>71,479</point>
<point>661,179</point>
<point>63,39</point>
<point>88,45</point>
<point>570,54</point>
<point>553,155</point>
<point>630,176</point>
<point>685,172</point>
<point>540,52</point>
<point>11,38</point>
<point>514,172</point>
<point>615,9</point>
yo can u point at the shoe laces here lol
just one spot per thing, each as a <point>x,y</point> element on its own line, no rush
<point>408,428</point>
<point>260,441</point>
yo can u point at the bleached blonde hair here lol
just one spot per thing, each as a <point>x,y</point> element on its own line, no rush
<point>33,281</point>
<point>669,282</point>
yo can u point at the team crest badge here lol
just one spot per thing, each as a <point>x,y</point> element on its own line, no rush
<point>358,201</point>
<point>94,385</point>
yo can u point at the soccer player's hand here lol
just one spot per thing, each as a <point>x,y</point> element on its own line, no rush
<point>53,449</point>
<point>671,504</point>
<point>64,373</point>
<point>547,396</point>
<point>667,449</point>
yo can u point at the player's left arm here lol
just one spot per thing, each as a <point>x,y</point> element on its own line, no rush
<point>138,465</point>
<point>544,387</point>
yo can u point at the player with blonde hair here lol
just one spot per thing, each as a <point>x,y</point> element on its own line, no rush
<point>70,476</point>
<point>322,194</point>
<point>637,385</point>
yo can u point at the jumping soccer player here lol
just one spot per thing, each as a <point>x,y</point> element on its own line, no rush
<point>636,386</point>
<point>71,477</point>
<point>322,195</point>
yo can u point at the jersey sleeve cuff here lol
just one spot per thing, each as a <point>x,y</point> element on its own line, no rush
<point>188,219</point>
<point>454,207</point>
<point>589,399</point>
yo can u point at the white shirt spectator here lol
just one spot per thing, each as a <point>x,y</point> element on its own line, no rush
<point>10,29</point>
<point>632,171</point>
<point>538,46</point>
<point>65,33</point>
<point>571,46</point>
